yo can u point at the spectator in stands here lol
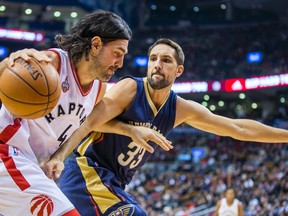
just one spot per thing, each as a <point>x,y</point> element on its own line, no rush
<point>229,205</point>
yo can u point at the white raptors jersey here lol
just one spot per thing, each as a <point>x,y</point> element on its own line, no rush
<point>41,137</point>
<point>226,210</point>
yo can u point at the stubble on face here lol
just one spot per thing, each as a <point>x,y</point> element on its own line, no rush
<point>98,69</point>
<point>157,80</point>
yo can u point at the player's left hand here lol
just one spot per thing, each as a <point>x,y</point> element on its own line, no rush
<point>53,168</point>
<point>141,135</point>
<point>27,54</point>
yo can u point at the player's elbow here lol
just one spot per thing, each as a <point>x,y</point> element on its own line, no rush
<point>240,133</point>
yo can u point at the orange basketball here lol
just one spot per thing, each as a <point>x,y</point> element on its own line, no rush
<point>30,89</point>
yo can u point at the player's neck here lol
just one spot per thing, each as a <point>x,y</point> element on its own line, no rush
<point>229,202</point>
<point>84,78</point>
<point>158,97</point>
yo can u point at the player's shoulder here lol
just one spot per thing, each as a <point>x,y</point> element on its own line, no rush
<point>184,102</point>
<point>52,53</point>
<point>55,55</point>
<point>124,85</point>
<point>219,202</point>
<point>238,202</point>
<point>130,78</point>
<point>128,81</point>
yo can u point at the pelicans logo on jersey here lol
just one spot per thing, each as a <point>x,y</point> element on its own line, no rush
<point>126,210</point>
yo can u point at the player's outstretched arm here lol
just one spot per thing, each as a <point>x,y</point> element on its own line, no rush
<point>140,135</point>
<point>116,100</point>
<point>200,117</point>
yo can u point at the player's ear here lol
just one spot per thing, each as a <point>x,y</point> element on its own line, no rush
<point>96,44</point>
<point>180,70</point>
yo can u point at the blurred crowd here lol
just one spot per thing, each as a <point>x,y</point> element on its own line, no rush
<point>214,52</point>
<point>218,53</point>
<point>174,185</point>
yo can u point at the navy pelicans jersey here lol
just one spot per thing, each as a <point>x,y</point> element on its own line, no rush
<point>117,152</point>
<point>39,138</point>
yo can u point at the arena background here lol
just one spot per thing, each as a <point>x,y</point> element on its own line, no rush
<point>236,65</point>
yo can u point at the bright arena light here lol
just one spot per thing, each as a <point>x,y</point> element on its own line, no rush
<point>212,107</point>
<point>206,97</point>
<point>2,8</point>
<point>74,14</point>
<point>196,9</point>
<point>57,14</point>
<point>204,103</point>
<point>254,105</point>
<point>221,103</point>
<point>242,96</point>
<point>28,11</point>
<point>223,6</point>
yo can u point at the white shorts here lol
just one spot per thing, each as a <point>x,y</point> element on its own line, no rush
<point>25,189</point>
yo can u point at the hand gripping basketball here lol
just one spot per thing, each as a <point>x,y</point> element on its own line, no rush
<point>30,89</point>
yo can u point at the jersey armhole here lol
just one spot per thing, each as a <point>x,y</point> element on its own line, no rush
<point>99,91</point>
<point>59,59</point>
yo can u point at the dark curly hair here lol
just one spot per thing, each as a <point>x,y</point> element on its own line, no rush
<point>105,24</point>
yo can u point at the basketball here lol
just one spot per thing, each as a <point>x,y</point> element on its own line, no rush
<point>30,89</point>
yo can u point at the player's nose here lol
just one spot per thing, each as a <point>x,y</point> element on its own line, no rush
<point>158,65</point>
<point>119,63</point>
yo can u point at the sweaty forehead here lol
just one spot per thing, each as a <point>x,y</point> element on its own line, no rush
<point>162,49</point>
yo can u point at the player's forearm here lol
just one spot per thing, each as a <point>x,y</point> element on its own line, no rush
<point>113,126</point>
<point>255,131</point>
<point>116,127</point>
<point>71,143</point>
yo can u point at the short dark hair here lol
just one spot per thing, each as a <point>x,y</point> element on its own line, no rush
<point>105,24</point>
<point>180,57</point>
<point>231,188</point>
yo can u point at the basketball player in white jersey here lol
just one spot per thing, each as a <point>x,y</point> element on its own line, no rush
<point>229,205</point>
<point>89,54</point>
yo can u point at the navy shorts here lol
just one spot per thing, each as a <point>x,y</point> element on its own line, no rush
<point>95,190</point>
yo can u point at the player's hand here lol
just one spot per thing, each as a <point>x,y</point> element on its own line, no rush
<point>141,135</point>
<point>27,54</point>
<point>53,168</point>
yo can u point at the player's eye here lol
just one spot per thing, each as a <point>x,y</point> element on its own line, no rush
<point>167,60</point>
<point>117,54</point>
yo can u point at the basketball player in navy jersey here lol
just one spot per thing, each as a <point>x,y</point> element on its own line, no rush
<point>95,178</point>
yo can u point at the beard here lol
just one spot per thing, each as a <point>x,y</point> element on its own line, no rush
<point>100,71</point>
<point>158,84</point>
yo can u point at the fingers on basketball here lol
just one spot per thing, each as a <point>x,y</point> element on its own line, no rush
<point>30,89</point>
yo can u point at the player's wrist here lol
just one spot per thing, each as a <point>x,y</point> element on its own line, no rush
<point>59,156</point>
<point>3,65</point>
<point>127,129</point>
